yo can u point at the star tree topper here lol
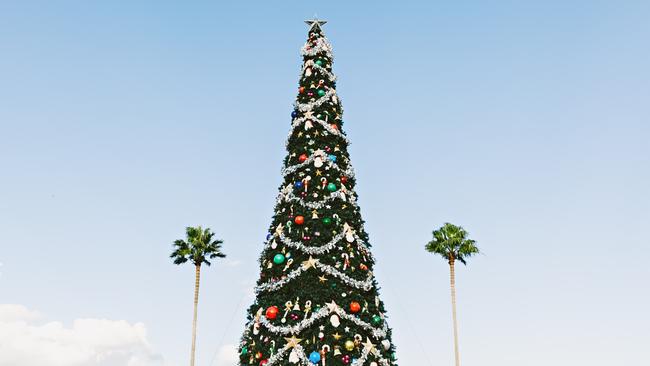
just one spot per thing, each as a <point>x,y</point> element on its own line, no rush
<point>315,22</point>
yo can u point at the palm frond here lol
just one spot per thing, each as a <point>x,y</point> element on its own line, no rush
<point>199,247</point>
<point>452,243</point>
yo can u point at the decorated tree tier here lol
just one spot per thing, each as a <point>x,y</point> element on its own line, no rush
<point>317,300</point>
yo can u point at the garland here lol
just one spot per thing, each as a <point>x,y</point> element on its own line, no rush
<point>317,103</point>
<point>322,45</point>
<point>289,196</point>
<point>318,153</point>
<point>320,314</point>
<point>325,268</point>
<point>321,249</point>
<point>325,125</point>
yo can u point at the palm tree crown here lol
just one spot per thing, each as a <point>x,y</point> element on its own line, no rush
<point>452,243</point>
<point>199,247</point>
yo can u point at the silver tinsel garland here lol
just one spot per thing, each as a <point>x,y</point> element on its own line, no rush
<point>299,120</point>
<point>322,45</point>
<point>349,172</point>
<point>287,194</point>
<point>312,250</point>
<point>331,77</point>
<point>305,107</point>
<point>324,312</point>
<point>325,268</point>
<point>320,249</point>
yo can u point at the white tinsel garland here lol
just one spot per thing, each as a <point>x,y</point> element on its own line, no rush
<point>324,312</point>
<point>349,172</point>
<point>325,268</point>
<point>331,77</point>
<point>304,107</point>
<point>295,329</point>
<point>334,131</point>
<point>312,250</point>
<point>322,45</point>
<point>287,195</point>
<point>326,248</point>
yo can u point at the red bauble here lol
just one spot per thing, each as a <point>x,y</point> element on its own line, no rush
<point>272,312</point>
<point>363,267</point>
<point>344,179</point>
<point>334,126</point>
<point>302,158</point>
<point>258,355</point>
<point>301,89</point>
<point>299,220</point>
<point>355,307</point>
<point>264,362</point>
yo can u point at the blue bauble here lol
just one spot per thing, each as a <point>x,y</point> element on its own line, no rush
<point>268,236</point>
<point>298,184</point>
<point>294,114</point>
<point>332,158</point>
<point>314,357</point>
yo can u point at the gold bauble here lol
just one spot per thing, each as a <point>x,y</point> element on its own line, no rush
<point>349,345</point>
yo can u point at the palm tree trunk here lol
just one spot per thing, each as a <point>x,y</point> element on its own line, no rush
<point>452,276</point>
<point>196,305</point>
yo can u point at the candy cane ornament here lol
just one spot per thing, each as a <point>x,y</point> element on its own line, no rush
<point>346,260</point>
<point>289,262</point>
<point>323,352</point>
<point>287,308</point>
<point>307,307</point>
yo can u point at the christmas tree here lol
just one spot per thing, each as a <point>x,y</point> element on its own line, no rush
<point>317,300</point>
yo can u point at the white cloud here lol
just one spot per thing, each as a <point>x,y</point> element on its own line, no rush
<point>227,355</point>
<point>17,313</point>
<point>24,341</point>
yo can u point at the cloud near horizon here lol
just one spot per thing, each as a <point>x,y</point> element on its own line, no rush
<point>27,340</point>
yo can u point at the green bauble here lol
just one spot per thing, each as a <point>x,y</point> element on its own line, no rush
<point>321,92</point>
<point>279,258</point>
<point>331,187</point>
<point>376,319</point>
<point>327,220</point>
<point>319,62</point>
<point>244,351</point>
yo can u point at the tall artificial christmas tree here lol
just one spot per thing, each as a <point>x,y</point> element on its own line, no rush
<point>317,299</point>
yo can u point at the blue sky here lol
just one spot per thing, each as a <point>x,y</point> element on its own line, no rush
<point>526,122</point>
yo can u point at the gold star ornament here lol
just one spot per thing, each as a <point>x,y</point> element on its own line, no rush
<point>292,342</point>
<point>310,263</point>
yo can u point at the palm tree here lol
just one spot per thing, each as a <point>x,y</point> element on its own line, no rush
<point>199,247</point>
<point>452,243</point>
